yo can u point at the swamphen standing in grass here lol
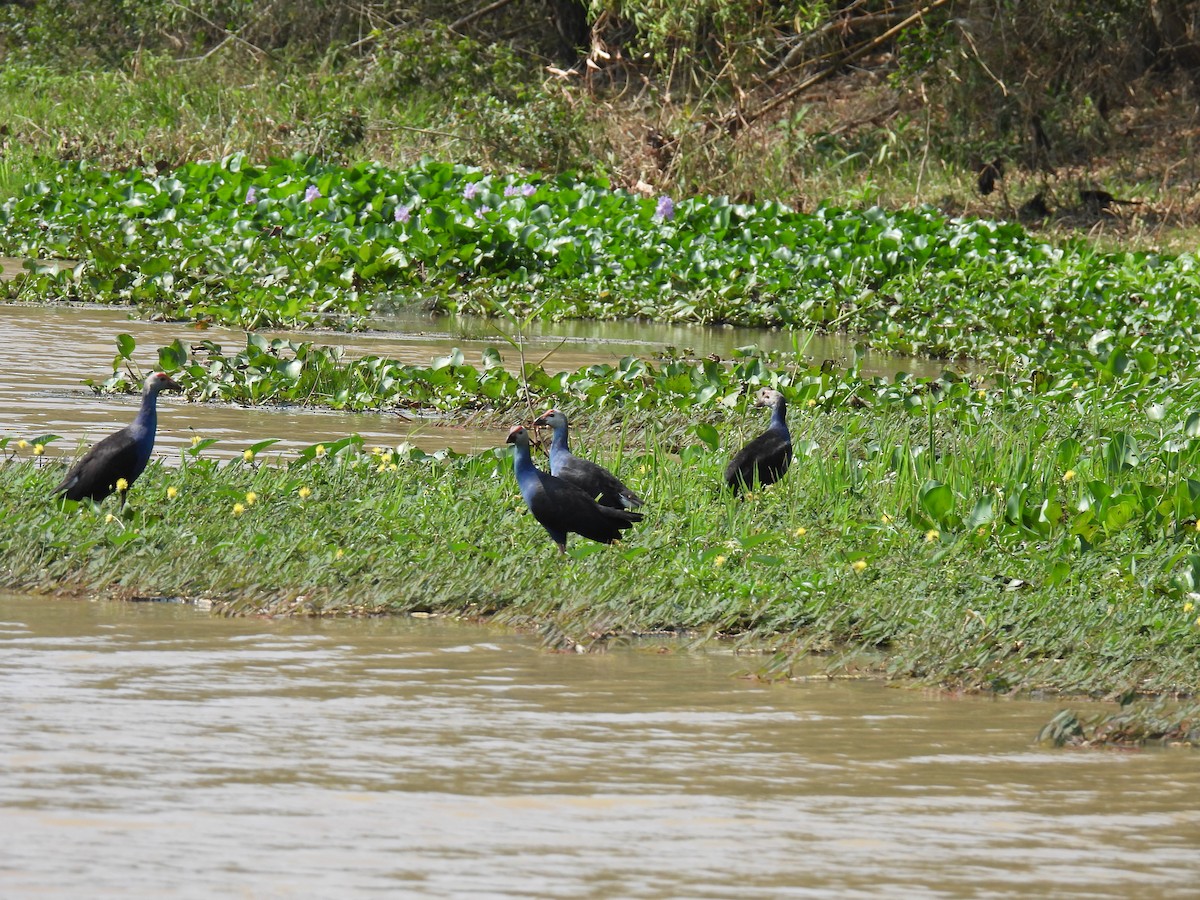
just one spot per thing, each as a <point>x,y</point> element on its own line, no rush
<point>120,455</point>
<point>596,481</point>
<point>562,507</point>
<point>766,458</point>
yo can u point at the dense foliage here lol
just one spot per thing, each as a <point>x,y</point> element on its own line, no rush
<point>299,242</point>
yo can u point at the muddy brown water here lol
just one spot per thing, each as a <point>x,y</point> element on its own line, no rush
<point>47,352</point>
<point>154,750</point>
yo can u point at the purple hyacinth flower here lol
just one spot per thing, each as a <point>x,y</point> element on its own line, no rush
<point>528,190</point>
<point>484,208</point>
<point>311,194</point>
<point>471,190</point>
<point>511,190</point>
<point>251,195</point>
<point>403,214</point>
<point>665,209</point>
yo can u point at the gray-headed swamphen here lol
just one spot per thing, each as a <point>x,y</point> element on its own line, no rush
<point>123,454</point>
<point>560,506</point>
<point>599,483</point>
<point>766,458</point>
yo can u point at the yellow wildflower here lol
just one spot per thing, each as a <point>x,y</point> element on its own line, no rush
<point>248,455</point>
<point>122,485</point>
<point>110,518</point>
<point>172,492</point>
<point>800,532</point>
<point>811,402</point>
<point>719,561</point>
<point>22,443</point>
<point>1189,606</point>
<point>1068,475</point>
<point>932,535</point>
<point>340,553</point>
<point>886,519</point>
<point>304,492</point>
<point>39,449</point>
<point>195,439</point>
<point>238,509</point>
<point>982,393</point>
<point>320,451</point>
<point>859,565</point>
<point>251,498</point>
<point>393,467</point>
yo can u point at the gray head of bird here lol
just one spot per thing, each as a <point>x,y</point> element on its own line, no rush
<point>551,417</point>
<point>161,381</point>
<point>518,435</point>
<point>768,397</point>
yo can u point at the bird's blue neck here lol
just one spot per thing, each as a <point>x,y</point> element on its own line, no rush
<point>779,418</point>
<point>528,476</point>
<point>146,423</point>
<point>558,445</point>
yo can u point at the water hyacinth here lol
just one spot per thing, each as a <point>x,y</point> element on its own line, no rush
<point>313,193</point>
<point>251,195</point>
<point>402,214</point>
<point>471,190</point>
<point>665,211</point>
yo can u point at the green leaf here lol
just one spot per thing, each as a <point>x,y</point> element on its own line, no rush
<point>937,500</point>
<point>708,434</point>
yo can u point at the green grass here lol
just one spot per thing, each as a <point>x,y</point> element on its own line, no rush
<point>849,551</point>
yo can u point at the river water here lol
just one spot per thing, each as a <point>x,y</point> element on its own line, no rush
<point>46,353</point>
<point>154,750</point>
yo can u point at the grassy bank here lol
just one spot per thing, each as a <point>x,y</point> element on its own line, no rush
<point>1024,538</point>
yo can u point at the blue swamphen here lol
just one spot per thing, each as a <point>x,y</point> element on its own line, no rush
<point>599,483</point>
<point>766,458</point>
<point>122,455</point>
<point>560,506</point>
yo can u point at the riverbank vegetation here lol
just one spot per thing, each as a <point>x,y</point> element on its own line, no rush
<point>1029,526</point>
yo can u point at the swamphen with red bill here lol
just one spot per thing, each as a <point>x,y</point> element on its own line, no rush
<point>766,458</point>
<point>122,455</point>
<point>596,481</point>
<point>562,507</point>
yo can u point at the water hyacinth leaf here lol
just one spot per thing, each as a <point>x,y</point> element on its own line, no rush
<point>1068,452</point>
<point>125,346</point>
<point>937,500</point>
<point>982,514</point>
<point>1121,452</point>
<point>1192,426</point>
<point>172,357</point>
<point>708,434</point>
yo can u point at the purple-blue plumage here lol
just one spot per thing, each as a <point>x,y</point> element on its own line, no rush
<point>765,459</point>
<point>560,506</point>
<point>123,454</point>
<point>595,480</point>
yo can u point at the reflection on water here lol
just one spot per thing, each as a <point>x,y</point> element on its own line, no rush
<point>153,750</point>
